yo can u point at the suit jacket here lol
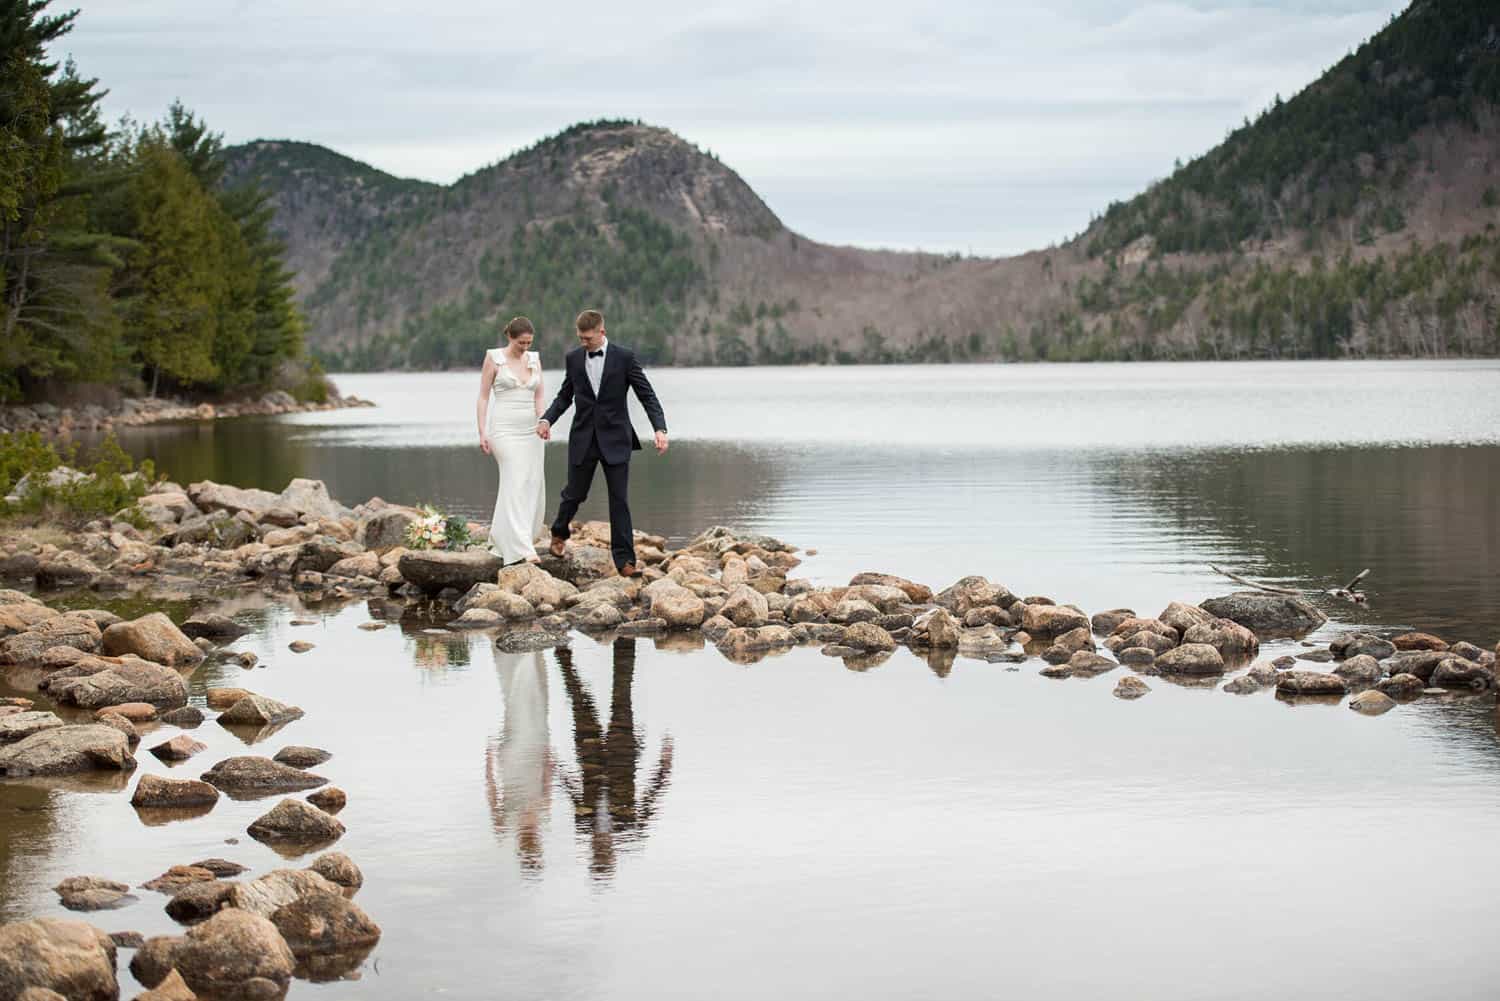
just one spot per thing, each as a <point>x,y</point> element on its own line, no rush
<point>604,418</point>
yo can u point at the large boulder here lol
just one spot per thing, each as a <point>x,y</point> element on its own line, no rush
<point>116,681</point>
<point>73,630</point>
<point>1455,672</point>
<point>209,496</point>
<point>236,956</point>
<point>1269,615</point>
<point>433,570</point>
<point>71,958</point>
<point>249,776</point>
<point>67,750</point>
<point>152,637</point>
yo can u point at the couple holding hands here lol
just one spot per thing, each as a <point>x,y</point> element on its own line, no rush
<point>513,427</point>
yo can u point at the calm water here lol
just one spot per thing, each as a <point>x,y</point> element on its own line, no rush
<point>634,820</point>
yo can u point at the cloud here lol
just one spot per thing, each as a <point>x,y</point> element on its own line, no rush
<point>960,126</point>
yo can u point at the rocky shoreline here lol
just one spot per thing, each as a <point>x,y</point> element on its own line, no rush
<point>92,677</point>
<point>50,419</point>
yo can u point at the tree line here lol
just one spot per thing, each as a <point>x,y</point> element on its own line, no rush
<point>123,258</point>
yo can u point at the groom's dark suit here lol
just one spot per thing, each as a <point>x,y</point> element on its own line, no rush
<point>602,433</point>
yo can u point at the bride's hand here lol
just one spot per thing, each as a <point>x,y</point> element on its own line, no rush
<point>484,444</point>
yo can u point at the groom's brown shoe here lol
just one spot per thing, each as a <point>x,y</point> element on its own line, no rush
<point>557,547</point>
<point>629,570</point>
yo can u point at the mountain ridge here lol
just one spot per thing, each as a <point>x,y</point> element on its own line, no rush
<point>1355,218</point>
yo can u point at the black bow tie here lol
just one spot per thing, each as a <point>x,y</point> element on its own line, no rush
<point>597,354</point>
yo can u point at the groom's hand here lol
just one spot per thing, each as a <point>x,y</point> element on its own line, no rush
<point>661,443</point>
<point>544,430</point>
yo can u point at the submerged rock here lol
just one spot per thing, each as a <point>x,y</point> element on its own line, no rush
<point>1131,688</point>
<point>330,800</point>
<point>178,876</point>
<point>325,923</point>
<point>1371,703</point>
<point>298,756</point>
<point>93,893</point>
<point>213,626</point>
<point>1455,672</point>
<point>1418,641</point>
<point>1402,687</point>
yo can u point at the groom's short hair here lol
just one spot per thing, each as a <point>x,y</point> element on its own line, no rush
<point>590,319</point>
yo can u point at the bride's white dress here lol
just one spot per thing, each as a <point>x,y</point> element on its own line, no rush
<point>521,498</point>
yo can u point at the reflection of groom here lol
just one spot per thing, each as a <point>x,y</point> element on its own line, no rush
<point>595,379</point>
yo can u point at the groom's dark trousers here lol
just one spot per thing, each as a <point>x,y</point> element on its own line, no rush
<point>601,434</point>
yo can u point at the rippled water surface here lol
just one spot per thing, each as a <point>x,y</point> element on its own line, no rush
<point>639,819</point>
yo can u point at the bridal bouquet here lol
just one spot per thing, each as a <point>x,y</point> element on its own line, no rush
<point>436,530</point>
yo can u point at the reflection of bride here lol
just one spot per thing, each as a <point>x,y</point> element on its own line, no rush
<point>519,763</point>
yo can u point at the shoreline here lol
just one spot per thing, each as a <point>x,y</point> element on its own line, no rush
<point>60,421</point>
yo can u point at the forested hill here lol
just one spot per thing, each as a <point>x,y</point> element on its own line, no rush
<point>1355,218</point>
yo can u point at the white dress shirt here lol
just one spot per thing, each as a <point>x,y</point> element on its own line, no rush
<point>594,367</point>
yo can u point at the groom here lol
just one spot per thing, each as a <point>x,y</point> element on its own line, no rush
<point>595,376</point>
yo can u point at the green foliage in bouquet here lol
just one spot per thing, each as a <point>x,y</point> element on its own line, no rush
<point>436,530</point>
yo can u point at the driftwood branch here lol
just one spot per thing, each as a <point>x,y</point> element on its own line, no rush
<point>1357,578</point>
<point>1250,583</point>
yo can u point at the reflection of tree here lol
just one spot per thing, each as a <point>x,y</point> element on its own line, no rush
<point>607,812</point>
<point>430,650</point>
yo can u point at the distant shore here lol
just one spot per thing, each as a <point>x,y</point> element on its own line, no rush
<point>51,419</point>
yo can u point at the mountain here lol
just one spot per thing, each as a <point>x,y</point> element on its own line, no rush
<point>1356,218</point>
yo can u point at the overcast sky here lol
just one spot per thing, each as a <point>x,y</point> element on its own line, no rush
<point>966,125</point>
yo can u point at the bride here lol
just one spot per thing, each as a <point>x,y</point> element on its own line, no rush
<point>510,401</point>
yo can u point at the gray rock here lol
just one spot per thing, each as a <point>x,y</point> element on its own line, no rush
<point>277,888</point>
<point>104,682</point>
<point>386,528</point>
<point>866,637</point>
<point>1087,664</point>
<point>71,958</point>
<point>251,776</point>
<point>1309,683</point>
<point>596,616</point>
<point>1131,688</point>
<point>67,750</point>
<point>1269,615</point>
<point>93,893</point>
<point>1354,644</point>
<point>210,496</point>
<point>1243,685</point>
<point>18,726</point>
<point>1421,663</point>
<point>1136,656</point>
<point>78,632</point>
<point>434,570</point>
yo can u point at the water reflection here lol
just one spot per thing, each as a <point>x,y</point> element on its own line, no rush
<point>519,764</point>
<point>608,814</point>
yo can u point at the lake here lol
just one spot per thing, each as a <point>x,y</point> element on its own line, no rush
<point>644,819</point>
